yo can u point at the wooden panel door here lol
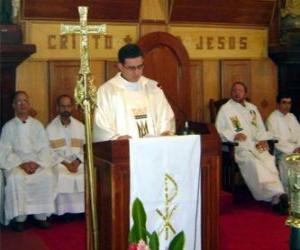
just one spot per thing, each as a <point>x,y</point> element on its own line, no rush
<point>63,76</point>
<point>167,61</point>
<point>232,71</point>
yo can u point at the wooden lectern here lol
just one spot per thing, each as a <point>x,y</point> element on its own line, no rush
<point>111,160</point>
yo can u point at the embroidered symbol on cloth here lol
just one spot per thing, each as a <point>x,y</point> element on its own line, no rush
<point>171,191</point>
<point>140,116</point>
<point>253,118</point>
<point>236,123</point>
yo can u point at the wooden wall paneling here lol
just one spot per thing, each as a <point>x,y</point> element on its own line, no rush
<point>264,86</point>
<point>112,10</point>
<point>153,10</point>
<point>149,27</point>
<point>235,70</point>
<point>32,76</point>
<point>254,12</point>
<point>197,91</point>
<point>274,31</point>
<point>63,76</point>
<point>111,69</point>
<point>211,84</point>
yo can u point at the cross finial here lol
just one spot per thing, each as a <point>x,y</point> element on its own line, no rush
<point>83,29</point>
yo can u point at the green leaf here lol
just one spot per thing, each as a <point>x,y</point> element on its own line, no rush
<point>154,241</point>
<point>138,230</point>
<point>178,242</point>
<point>138,213</point>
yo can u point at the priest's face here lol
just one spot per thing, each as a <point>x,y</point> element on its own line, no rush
<point>132,68</point>
<point>21,104</point>
<point>238,92</point>
<point>65,107</point>
<point>285,105</point>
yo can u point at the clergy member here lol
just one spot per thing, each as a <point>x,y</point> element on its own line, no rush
<point>285,127</point>
<point>130,105</point>
<point>240,121</point>
<point>26,158</point>
<point>66,136</point>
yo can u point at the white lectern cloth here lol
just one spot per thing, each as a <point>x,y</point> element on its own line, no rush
<point>168,168</point>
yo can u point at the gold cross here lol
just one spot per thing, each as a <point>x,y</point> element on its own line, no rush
<point>83,29</point>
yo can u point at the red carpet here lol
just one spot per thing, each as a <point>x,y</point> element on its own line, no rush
<point>252,225</point>
<point>248,225</point>
<point>61,236</point>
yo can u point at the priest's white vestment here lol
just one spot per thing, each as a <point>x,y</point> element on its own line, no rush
<point>67,143</point>
<point>286,129</point>
<point>135,109</point>
<point>257,168</point>
<point>26,194</point>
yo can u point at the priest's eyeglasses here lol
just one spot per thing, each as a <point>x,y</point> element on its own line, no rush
<point>134,68</point>
<point>19,102</point>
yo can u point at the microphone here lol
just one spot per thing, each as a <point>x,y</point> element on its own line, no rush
<point>186,128</point>
<point>23,122</point>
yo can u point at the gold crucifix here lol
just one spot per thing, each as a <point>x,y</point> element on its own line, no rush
<point>85,93</point>
<point>83,29</point>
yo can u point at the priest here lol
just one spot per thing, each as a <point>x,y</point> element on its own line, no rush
<point>26,160</point>
<point>130,105</point>
<point>285,127</point>
<point>66,136</point>
<point>240,121</point>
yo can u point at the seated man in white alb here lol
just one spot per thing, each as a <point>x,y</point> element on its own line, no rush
<point>285,127</point>
<point>130,105</point>
<point>66,136</point>
<point>240,121</point>
<point>25,156</point>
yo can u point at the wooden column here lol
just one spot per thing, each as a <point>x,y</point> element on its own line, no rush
<point>12,53</point>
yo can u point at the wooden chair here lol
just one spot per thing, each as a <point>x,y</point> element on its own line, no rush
<point>231,176</point>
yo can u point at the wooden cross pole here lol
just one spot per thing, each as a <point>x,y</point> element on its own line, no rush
<point>85,96</point>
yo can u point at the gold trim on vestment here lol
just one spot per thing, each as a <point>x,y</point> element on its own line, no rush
<point>76,143</point>
<point>57,143</point>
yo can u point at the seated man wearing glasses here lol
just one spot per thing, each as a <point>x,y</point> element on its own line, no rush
<point>285,127</point>
<point>26,158</point>
<point>130,105</point>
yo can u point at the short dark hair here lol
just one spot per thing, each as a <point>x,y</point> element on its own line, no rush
<point>129,51</point>
<point>240,83</point>
<point>64,96</point>
<point>283,95</point>
<point>16,93</point>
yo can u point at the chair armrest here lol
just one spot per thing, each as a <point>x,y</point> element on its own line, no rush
<point>272,141</point>
<point>271,144</point>
<point>230,144</point>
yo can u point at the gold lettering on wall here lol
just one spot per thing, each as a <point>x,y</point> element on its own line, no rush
<point>108,42</point>
<point>51,45</point>
<point>51,42</point>
<point>70,42</point>
<point>63,42</point>
<point>222,42</point>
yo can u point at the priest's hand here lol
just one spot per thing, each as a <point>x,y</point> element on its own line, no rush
<point>29,167</point>
<point>70,167</point>
<point>167,133</point>
<point>75,165</point>
<point>240,137</point>
<point>262,146</point>
<point>124,137</point>
<point>297,150</point>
